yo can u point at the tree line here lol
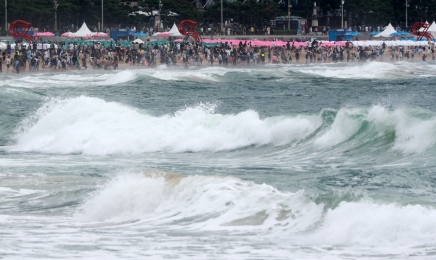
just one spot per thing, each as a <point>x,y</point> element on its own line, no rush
<point>119,13</point>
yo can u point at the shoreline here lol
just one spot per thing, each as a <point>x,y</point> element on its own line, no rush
<point>63,57</point>
<point>127,67</point>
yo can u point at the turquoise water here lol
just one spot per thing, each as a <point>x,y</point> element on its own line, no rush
<point>324,161</point>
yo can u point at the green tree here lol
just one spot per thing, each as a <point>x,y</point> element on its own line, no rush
<point>250,13</point>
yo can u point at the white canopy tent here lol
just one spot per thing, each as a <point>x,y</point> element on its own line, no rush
<point>432,29</point>
<point>422,29</point>
<point>82,32</point>
<point>175,31</point>
<point>387,31</point>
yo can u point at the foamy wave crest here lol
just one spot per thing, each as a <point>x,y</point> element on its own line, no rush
<point>71,79</point>
<point>346,123</point>
<point>411,130</point>
<point>226,203</point>
<point>212,74</point>
<point>373,224</point>
<point>93,126</point>
<point>198,201</point>
<point>369,70</point>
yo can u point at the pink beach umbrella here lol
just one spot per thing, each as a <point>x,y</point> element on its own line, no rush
<point>100,34</point>
<point>44,34</point>
<point>66,34</point>
<point>162,34</point>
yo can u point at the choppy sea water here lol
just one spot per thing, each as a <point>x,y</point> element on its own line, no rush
<point>324,161</point>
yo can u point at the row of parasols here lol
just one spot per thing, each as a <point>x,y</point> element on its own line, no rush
<point>69,34</point>
<point>88,36</point>
<point>323,43</point>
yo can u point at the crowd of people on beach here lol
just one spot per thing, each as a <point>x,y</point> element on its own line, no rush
<point>59,56</point>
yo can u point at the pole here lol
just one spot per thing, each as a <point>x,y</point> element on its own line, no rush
<point>289,15</point>
<point>406,14</point>
<point>314,19</point>
<point>6,16</point>
<point>102,26</point>
<point>160,10</point>
<point>342,14</point>
<point>56,15</point>
<point>221,16</point>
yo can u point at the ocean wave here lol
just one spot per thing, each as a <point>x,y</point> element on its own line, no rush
<point>93,126</point>
<point>276,72</point>
<point>228,203</point>
<point>369,70</point>
<point>69,79</point>
<point>201,201</point>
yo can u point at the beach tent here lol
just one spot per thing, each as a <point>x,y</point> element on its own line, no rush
<point>432,29</point>
<point>82,32</point>
<point>387,31</point>
<point>175,31</point>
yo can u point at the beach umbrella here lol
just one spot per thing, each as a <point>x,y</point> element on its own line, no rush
<point>162,34</point>
<point>139,41</point>
<point>44,34</point>
<point>66,34</point>
<point>100,34</point>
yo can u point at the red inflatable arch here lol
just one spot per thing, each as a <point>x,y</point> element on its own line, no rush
<point>14,30</point>
<point>187,28</point>
<point>416,30</point>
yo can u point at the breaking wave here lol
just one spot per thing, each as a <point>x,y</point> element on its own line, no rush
<point>228,203</point>
<point>93,126</point>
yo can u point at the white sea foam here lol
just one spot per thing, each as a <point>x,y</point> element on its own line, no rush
<point>8,192</point>
<point>414,129</point>
<point>193,74</point>
<point>70,79</point>
<point>180,75</point>
<point>372,224</point>
<point>368,70</point>
<point>226,203</point>
<point>199,201</point>
<point>94,126</point>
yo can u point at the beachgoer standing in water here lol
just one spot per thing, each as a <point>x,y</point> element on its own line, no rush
<point>17,66</point>
<point>8,64</point>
